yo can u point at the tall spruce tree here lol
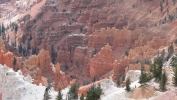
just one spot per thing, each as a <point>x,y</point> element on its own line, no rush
<point>46,93</point>
<point>59,96</point>
<point>47,90</point>
<point>0,30</point>
<point>170,51</point>
<point>163,81</point>
<point>157,67</point>
<point>14,61</point>
<point>118,80</point>
<point>82,97</point>
<point>142,76</point>
<point>3,28</point>
<point>73,92</point>
<point>20,48</point>
<point>94,93</point>
<point>175,76</point>
<point>128,84</point>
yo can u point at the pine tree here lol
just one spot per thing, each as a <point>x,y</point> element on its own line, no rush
<point>3,28</point>
<point>46,94</point>
<point>59,96</point>
<point>157,67</point>
<point>94,93</point>
<point>175,76</point>
<point>128,84</point>
<point>20,49</point>
<point>14,61</point>
<point>0,30</point>
<point>8,38</point>
<point>4,36</point>
<point>142,77</point>
<point>161,6</point>
<point>53,54</point>
<point>118,81</point>
<point>16,28</point>
<point>170,51</point>
<point>163,81</point>
<point>82,97</point>
<point>73,92</point>
<point>30,37</point>
<point>15,43</point>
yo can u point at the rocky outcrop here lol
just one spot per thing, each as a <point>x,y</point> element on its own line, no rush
<point>78,29</point>
<point>7,58</point>
<point>116,70</point>
<point>40,68</point>
<point>61,80</point>
<point>137,67</point>
<point>113,36</point>
<point>43,62</point>
<point>102,62</point>
<point>138,55</point>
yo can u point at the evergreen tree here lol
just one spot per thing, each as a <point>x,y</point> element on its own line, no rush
<point>34,51</point>
<point>47,90</point>
<point>53,54</point>
<point>59,96</point>
<point>170,51</point>
<point>128,84</point>
<point>175,76</point>
<point>142,77</point>
<point>14,61</point>
<point>3,28</point>
<point>46,94</point>
<point>118,81</point>
<point>0,30</point>
<point>20,49</point>
<point>73,92</point>
<point>30,37</point>
<point>28,45</point>
<point>16,28</point>
<point>82,97</point>
<point>94,93</point>
<point>8,38</point>
<point>157,67</point>
<point>163,81</point>
<point>3,32</point>
<point>161,6</point>
<point>4,36</point>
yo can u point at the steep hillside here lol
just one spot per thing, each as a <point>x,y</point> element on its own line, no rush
<point>88,40</point>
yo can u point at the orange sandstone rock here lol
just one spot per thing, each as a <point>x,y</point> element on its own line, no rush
<point>6,58</point>
<point>61,80</point>
<point>42,60</point>
<point>102,62</point>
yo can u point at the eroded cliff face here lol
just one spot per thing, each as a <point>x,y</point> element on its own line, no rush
<point>43,62</point>
<point>61,80</point>
<point>41,69</point>
<point>101,63</point>
<point>6,58</point>
<point>87,39</point>
<point>74,31</point>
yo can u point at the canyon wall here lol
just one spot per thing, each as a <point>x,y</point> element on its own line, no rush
<point>102,62</point>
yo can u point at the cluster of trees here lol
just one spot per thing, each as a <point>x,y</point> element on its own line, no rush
<point>53,55</point>
<point>2,32</point>
<point>25,50</point>
<point>93,93</point>
<point>170,51</point>
<point>156,71</point>
<point>144,77</point>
